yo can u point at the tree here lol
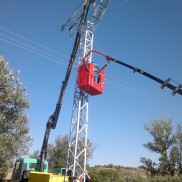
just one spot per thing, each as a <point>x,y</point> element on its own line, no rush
<point>163,142</point>
<point>178,142</point>
<point>14,124</point>
<point>35,154</point>
<point>174,159</point>
<point>149,166</point>
<point>57,152</point>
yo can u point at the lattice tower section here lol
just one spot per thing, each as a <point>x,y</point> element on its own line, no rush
<point>77,149</point>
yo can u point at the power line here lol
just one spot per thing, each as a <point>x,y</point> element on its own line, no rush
<point>136,90</point>
<point>31,47</point>
<point>141,92</point>
<point>45,47</point>
<point>175,89</point>
<point>44,56</point>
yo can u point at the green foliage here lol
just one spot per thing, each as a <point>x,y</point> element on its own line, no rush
<point>57,152</point>
<point>165,179</point>
<point>167,144</point>
<point>14,124</point>
<point>161,132</point>
<point>35,154</point>
<point>178,151</point>
<point>104,175</point>
<point>149,166</point>
<point>120,174</point>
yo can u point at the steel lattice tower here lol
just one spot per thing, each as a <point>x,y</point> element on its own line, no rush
<point>77,149</point>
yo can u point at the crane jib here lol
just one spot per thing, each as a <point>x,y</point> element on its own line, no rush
<point>176,89</point>
<point>52,121</point>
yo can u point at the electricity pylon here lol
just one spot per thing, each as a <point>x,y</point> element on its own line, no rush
<point>93,11</point>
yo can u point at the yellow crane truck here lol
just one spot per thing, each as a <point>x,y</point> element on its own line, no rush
<point>26,170</point>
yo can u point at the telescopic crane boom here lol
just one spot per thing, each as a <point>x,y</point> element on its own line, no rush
<point>176,89</point>
<point>52,121</point>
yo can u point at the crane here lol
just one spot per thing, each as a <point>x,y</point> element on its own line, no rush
<point>164,83</point>
<point>85,20</point>
<point>77,148</point>
<point>52,121</point>
<point>90,73</point>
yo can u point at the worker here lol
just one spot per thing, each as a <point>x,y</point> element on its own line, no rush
<point>96,73</point>
<point>87,178</point>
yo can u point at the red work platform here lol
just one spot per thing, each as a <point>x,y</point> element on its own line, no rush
<point>90,79</point>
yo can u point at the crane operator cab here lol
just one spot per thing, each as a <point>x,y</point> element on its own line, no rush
<point>90,79</point>
<point>23,166</point>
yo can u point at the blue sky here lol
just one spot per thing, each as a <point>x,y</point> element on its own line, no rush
<point>143,33</point>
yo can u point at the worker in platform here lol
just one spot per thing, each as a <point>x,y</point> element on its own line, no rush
<point>96,73</point>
